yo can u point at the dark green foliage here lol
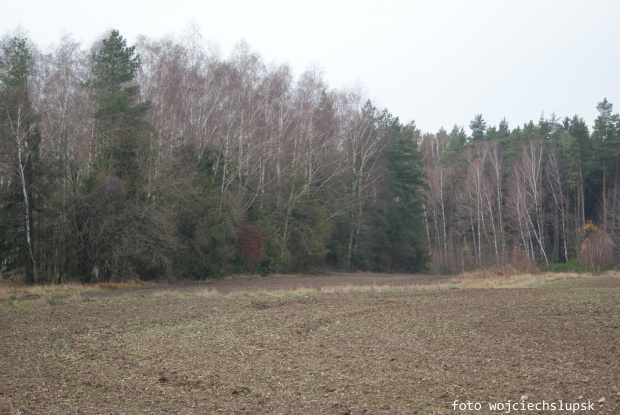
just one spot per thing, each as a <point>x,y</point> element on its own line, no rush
<point>458,142</point>
<point>478,128</point>
<point>605,146</point>
<point>579,151</point>
<point>303,246</point>
<point>13,252</point>
<point>114,65</point>
<point>310,232</point>
<point>405,246</point>
<point>16,66</point>
<point>20,142</point>
<point>120,118</point>
<point>122,232</point>
<point>126,240</point>
<point>573,265</point>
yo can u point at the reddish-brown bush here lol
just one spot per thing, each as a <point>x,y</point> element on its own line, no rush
<point>250,242</point>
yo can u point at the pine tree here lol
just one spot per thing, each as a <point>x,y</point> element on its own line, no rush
<point>133,233</point>
<point>406,223</point>
<point>578,161</point>
<point>478,128</point>
<point>458,141</point>
<point>119,117</point>
<point>604,142</point>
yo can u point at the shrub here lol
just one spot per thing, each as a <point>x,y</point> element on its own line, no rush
<point>596,251</point>
<point>573,265</point>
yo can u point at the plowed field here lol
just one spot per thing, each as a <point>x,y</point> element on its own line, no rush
<point>373,351</point>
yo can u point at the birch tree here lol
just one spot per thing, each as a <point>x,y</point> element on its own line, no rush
<point>20,136</point>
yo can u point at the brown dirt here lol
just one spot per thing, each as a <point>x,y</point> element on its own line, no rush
<point>394,351</point>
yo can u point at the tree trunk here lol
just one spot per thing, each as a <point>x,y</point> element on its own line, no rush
<point>604,197</point>
<point>31,270</point>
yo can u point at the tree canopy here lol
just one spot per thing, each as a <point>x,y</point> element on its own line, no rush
<point>161,161</point>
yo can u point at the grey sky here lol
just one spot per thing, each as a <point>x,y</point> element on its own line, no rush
<point>436,62</point>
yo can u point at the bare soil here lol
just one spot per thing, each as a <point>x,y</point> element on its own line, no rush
<point>378,351</point>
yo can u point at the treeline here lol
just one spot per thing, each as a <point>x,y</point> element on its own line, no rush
<point>540,194</point>
<point>164,160</point>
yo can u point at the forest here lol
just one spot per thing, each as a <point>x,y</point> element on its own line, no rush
<point>165,161</point>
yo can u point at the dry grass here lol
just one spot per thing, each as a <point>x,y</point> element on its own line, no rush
<point>170,294</point>
<point>482,279</point>
<point>329,290</point>
<point>207,293</point>
<point>130,285</point>
<point>77,298</point>
<point>10,289</point>
<point>237,277</point>
<point>19,295</point>
<point>13,289</point>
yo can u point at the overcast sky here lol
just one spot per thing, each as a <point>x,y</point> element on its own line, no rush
<point>438,62</point>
